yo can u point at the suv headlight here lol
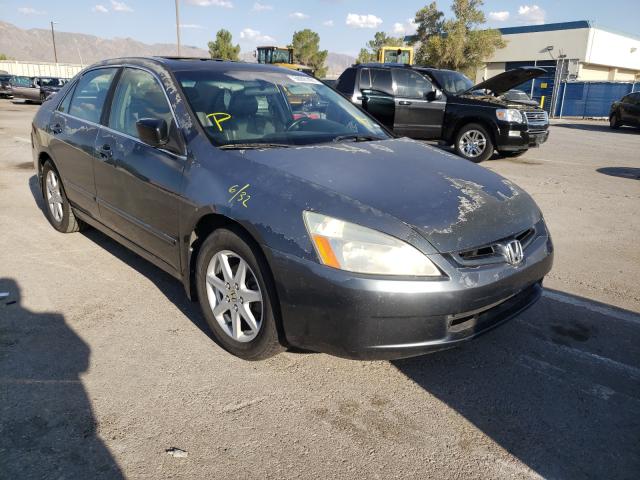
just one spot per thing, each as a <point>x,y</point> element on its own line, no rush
<point>354,248</point>
<point>509,115</point>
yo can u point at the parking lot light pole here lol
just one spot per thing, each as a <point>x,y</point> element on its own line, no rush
<point>53,37</point>
<point>178,24</point>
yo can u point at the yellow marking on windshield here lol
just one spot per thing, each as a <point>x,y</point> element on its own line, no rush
<point>219,117</point>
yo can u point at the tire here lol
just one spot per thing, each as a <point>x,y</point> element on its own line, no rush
<point>614,121</point>
<point>510,154</point>
<point>246,329</point>
<point>473,143</point>
<point>56,206</point>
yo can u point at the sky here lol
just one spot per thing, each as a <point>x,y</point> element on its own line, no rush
<point>344,25</point>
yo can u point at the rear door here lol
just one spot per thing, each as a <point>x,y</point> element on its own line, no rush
<point>417,114</point>
<point>138,186</point>
<point>74,127</point>
<point>376,89</point>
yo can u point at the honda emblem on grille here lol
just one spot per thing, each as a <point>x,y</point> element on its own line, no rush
<point>512,252</point>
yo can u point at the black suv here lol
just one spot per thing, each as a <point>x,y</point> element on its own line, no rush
<point>625,111</point>
<point>428,103</point>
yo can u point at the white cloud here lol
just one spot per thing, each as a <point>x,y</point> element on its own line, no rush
<point>120,6</point>
<point>531,14</point>
<point>502,16</point>
<point>406,28</point>
<point>363,21</point>
<point>191,25</point>
<point>298,15</point>
<point>261,7</point>
<point>211,3</point>
<point>30,11</point>
<point>100,9</point>
<point>328,23</point>
<point>255,36</point>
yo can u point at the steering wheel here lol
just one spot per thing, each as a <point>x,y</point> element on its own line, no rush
<point>297,123</point>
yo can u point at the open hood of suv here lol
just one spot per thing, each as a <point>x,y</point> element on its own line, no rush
<point>504,82</point>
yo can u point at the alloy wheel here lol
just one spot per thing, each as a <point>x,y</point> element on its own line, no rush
<point>54,196</point>
<point>472,143</point>
<point>234,296</point>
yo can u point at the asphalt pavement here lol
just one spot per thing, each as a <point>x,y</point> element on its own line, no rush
<point>107,370</point>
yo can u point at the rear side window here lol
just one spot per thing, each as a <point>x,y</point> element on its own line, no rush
<point>90,94</point>
<point>137,96</point>
<point>346,81</point>
<point>410,84</point>
<point>381,80</point>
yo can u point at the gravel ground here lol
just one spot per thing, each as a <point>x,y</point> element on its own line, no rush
<point>106,370</point>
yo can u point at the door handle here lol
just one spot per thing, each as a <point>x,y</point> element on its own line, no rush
<point>55,128</point>
<point>404,102</point>
<point>359,97</point>
<point>105,151</point>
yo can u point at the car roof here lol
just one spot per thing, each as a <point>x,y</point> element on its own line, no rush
<point>189,64</point>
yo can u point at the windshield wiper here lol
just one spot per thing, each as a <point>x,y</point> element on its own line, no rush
<point>252,146</point>
<point>356,138</point>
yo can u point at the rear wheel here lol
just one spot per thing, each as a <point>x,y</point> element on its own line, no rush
<point>57,208</point>
<point>473,142</point>
<point>236,296</point>
<point>614,121</point>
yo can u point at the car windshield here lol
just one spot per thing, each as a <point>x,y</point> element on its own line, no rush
<point>50,82</point>
<point>516,95</point>
<point>242,107</point>
<point>452,82</point>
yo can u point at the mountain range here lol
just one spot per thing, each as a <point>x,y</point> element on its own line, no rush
<point>35,45</point>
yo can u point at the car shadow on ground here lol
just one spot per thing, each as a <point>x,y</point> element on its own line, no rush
<point>558,387</point>
<point>47,427</point>
<point>598,127</point>
<point>622,172</point>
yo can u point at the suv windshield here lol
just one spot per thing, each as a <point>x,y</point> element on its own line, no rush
<point>252,107</point>
<point>452,82</point>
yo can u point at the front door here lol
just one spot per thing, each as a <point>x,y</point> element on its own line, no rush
<point>139,185</point>
<point>73,128</point>
<point>419,114</point>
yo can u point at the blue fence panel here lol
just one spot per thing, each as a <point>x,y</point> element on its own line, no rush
<point>589,99</point>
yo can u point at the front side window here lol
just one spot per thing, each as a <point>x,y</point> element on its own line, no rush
<point>452,82</point>
<point>90,94</point>
<point>410,84</point>
<point>137,96</point>
<point>244,106</point>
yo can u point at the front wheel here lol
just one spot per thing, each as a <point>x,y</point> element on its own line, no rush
<point>236,296</point>
<point>473,142</point>
<point>614,121</point>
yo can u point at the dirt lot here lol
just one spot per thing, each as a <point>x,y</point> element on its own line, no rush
<point>104,364</point>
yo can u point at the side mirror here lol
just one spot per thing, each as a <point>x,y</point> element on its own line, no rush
<point>153,131</point>
<point>434,95</point>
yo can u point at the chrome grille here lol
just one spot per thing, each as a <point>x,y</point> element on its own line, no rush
<point>536,117</point>
<point>492,253</point>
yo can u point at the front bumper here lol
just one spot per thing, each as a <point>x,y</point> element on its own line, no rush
<point>520,137</point>
<point>366,317</point>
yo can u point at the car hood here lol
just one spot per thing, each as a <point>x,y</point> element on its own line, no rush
<point>455,204</point>
<point>505,81</point>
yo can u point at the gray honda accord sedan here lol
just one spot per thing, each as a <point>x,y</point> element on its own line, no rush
<point>293,217</point>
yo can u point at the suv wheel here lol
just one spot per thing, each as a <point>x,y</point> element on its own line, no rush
<point>473,142</point>
<point>236,296</point>
<point>57,207</point>
<point>614,121</point>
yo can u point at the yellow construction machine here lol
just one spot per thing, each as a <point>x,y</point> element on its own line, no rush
<point>281,57</point>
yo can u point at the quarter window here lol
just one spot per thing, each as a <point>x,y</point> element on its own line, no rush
<point>90,94</point>
<point>137,96</point>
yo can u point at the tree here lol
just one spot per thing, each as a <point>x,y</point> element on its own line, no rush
<point>4,57</point>
<point>380,39</point>
<point>458,43</point>
<point>223,47</point>
<point>306,50</point>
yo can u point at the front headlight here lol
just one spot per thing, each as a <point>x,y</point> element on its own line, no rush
<point>509,115</point>
<point>354,248</point>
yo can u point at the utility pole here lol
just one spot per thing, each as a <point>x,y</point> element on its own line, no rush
<point>53,37</point>
<point>178,24</point>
